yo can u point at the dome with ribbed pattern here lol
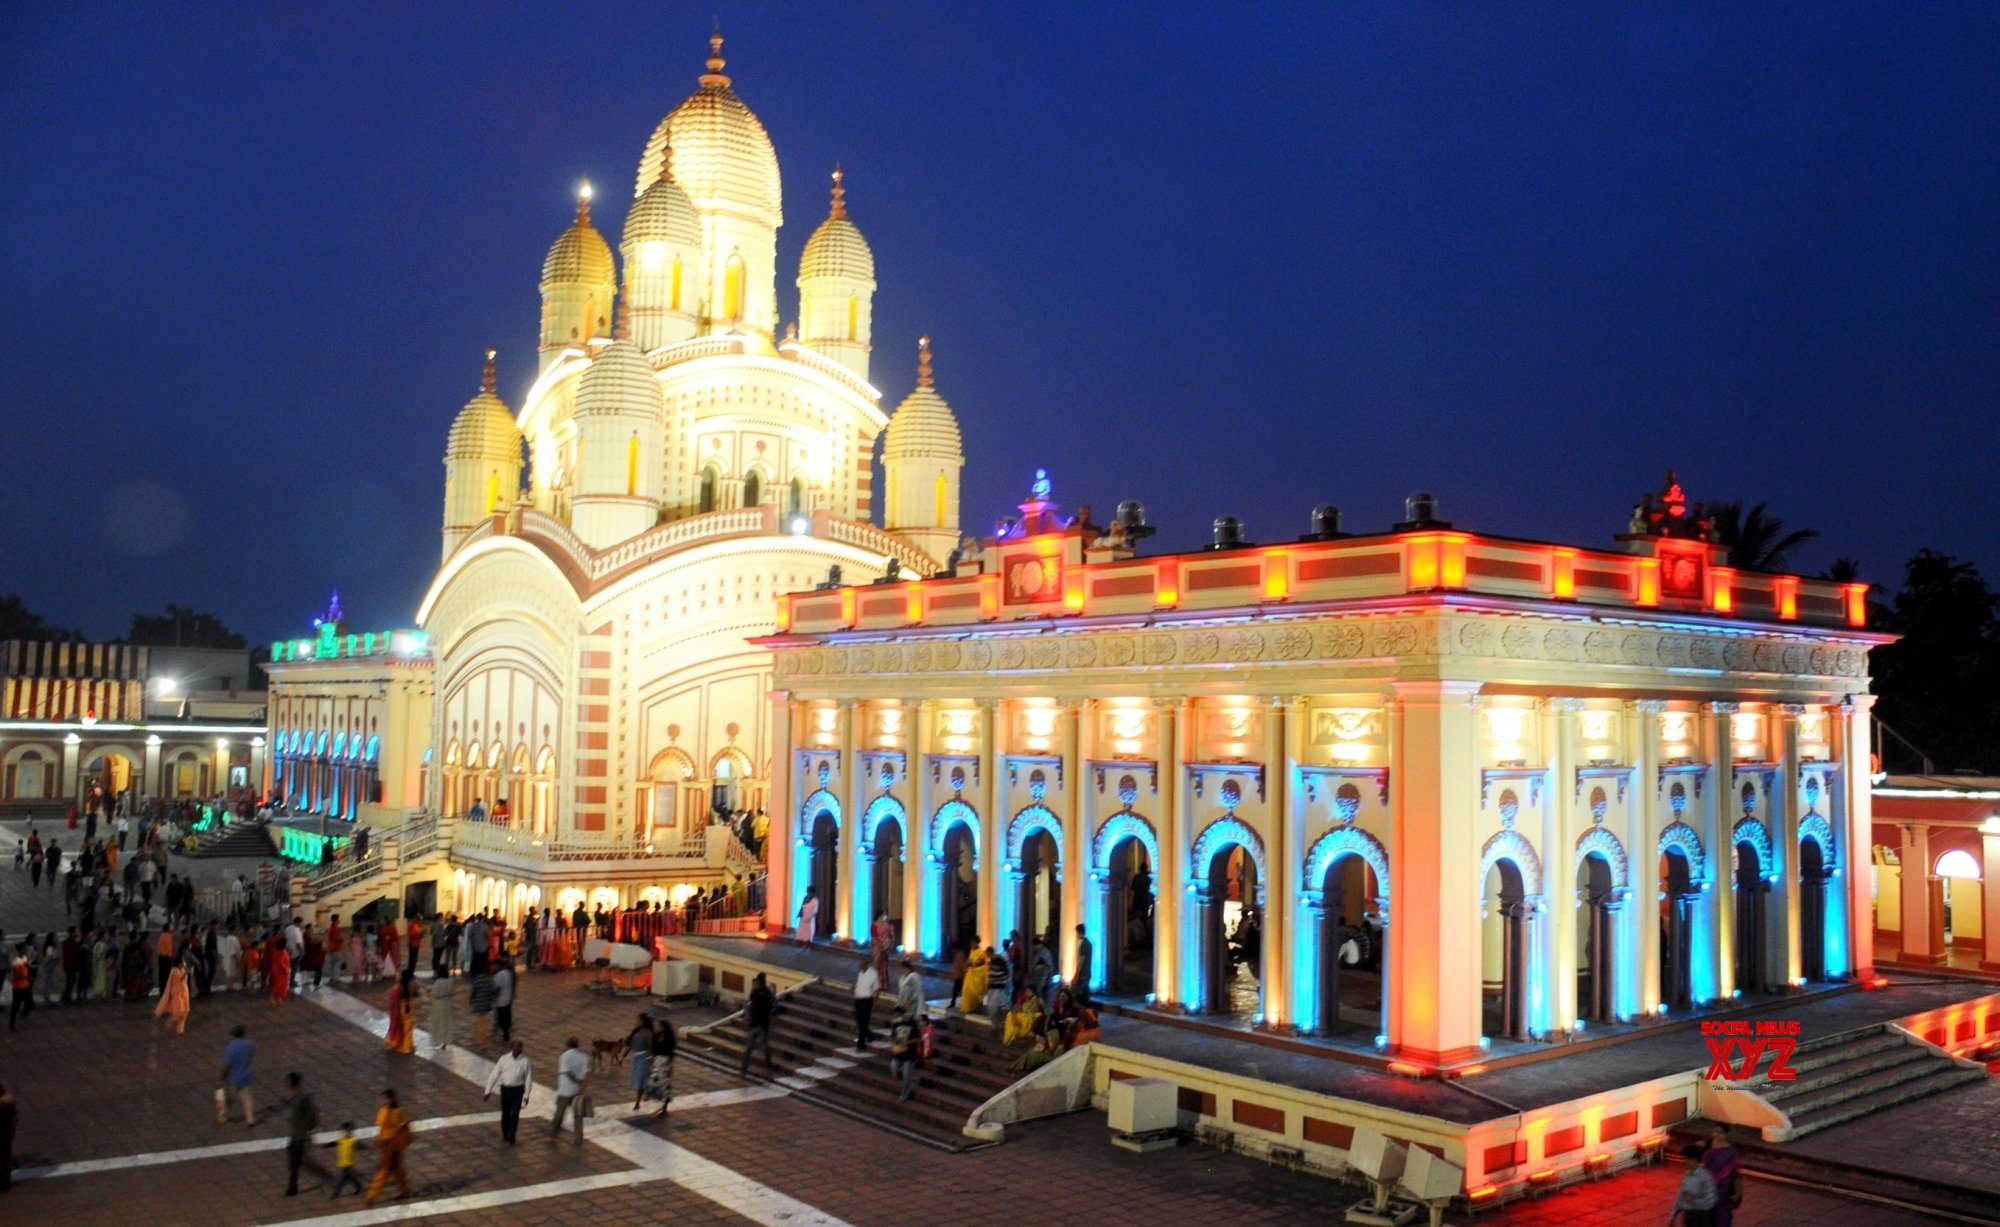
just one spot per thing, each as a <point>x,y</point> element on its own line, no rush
<point>619,380</point>
<point>662,214</point>
<point>720,154</point>
<point>484,430</point>
<point>837,249</point>
<point>579,255</point>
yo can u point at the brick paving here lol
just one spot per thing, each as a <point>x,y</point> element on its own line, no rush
<point>103,1081</point>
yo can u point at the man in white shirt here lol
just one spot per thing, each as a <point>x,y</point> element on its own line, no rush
<point>572,1071</point>
<point>515,1079</point>
<point>866,985</point>
<point>295,946</point>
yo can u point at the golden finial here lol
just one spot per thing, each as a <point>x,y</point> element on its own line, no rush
<point>923,362</point>
<point>713,77</point>
<point>583,194</point>
<point>839,196</point>
<point>624,326</point>
<point>488,381</point>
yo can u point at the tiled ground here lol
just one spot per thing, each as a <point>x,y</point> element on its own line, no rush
<point>103,1081</point>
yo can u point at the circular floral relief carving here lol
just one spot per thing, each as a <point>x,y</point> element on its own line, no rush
<point>1044,653</point>
<point>1120,650</point>
<point>1291,642</point>
<point>1081,653</point>
<point>1821,661</point>
<point>1203,645</point>
<point>889,660</point>
<point>1159,648</point>
<point>947,655</point>
<point>1038,785</point>
<point>919,658</point>
<point>1598,805</point>
<point>1392,639</point>
<point>1247,644</point>
<point>1599,647</point>
<point>1735,654</point>
<point>1346,802</point>
<point>837,661</point>
<point>1850,663</point>
<point>1518,641</point>
<point>1640,649</point>
<point>1010,655</point>
<point>1342,640</point>
<point>1768,658</point>
<point>1795,658</point>
<point>1705,653</point>
<point>1477,637</point>
<point>1560,644</point>
<point>958,779</point>
<point>978,655</point>
<point>1675,652</point>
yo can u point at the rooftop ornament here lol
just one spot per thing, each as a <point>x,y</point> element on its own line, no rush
<point>1669,514</point>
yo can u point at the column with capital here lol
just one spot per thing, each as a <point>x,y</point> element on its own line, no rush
<point>1433,956</point>
<point>1855,841</point>
<point>1075,854</point>
<point>1784,803</point>
<point>853,797</point>
<point>1989,885</point>
<point>1557,992</point>
<point>993,830</point>
<point>779,849</point>
<point>1284,865</point>
<point>1643,823</point>
<point>1923,926</point>
<point>1712,924</point>
<point>917,827</point>
<point>1168,892</point>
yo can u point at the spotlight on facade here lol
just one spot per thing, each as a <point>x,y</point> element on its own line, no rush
<point>164,686</point>
<point>1325,524</point>
<point>800,524</point>
<point>1420,510</point>
<point>1228,534</point>
<point>1131,515</point>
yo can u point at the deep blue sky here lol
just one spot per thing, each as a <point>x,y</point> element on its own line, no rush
<point>1225,259</point>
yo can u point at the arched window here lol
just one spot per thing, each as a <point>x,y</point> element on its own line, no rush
<point>732,289</point>
<point>798,496</point>
<point>940,520</point>
<point>632,464</point>
<point>589,320</point>
<point>854,317</point>
<point>753,488</point>
<point>674,296</point>
<point>492,493</point>
<point>1957,864</point>
<point>705,500</point>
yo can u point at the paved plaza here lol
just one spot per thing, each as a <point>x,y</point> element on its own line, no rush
<point>117,1126</point>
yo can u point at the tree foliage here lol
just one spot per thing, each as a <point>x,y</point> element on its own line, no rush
<point>1940,683</point>
<point>1757,540</point>
<point>17,621</point>
<point>182,627</point>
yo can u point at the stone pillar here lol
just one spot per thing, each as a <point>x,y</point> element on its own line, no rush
<point>1283,864</point>
<point>1784,803</point>
<point>1289,893</point>
<point>922,802</point>
<point>853,792</point>
<point>1434,943</point>
<point>1989,890</point>
<point>779,802</point>
<point>1712,941</point>
<point>1643,823</point>
<point>1856,839</point>
<point>72,751</point>
<point>992,828</point>
<point>1168,876</point>
<point>1075,840</point>
<point>1559,943</point>
<point>148,785</point>
<point>1923,925</point>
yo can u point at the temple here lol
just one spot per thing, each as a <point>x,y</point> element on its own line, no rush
<point>1560,788</point>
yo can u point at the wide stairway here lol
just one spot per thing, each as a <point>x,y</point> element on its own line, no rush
<point>1845,1076</point>
<point>236,839</point>
<point>812,1045</point>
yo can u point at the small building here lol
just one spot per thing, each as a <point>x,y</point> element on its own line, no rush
<point>1539,787</point>
<point>1937,870</point>
<point>83,723</point>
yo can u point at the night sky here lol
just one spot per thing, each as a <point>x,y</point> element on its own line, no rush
<point>1224,259</point>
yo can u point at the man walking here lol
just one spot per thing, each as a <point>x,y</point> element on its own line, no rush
<point>1079,988</point>
<point>757,1021</point>
<point>572,1072</point>
<point>299,1126</point>
<point>235,1078</point>
<point>910,991</point>
<point>515,1080</point>
<point>866,985</point>
<point>503,999</point>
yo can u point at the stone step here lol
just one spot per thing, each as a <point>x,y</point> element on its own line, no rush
<point>974,1082</point>
<point>1943,1079</point>
<point>1842,1047</point>
<point>1802,1106</point>
<point>1810,1080</point>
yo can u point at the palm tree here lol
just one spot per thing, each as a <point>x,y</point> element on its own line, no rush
<point>1843,571</point>
<point>1757,541</point>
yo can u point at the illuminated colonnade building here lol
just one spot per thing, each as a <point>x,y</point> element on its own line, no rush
<point>1573,786</point>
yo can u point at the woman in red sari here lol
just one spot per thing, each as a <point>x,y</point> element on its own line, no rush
<point>279,960</point>
<point>402,1016</point>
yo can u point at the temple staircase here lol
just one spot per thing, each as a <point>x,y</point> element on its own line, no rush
<point>812,1047</point>
<point>396,856</point>
<point>1841,1077</point>
<point>236,839</point>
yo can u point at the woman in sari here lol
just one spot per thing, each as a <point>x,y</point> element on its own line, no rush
<point>253,964</point>
<point>402,1017</point>
<point>443,989</point>
<point>660,1068</point>
<point>392,1137</point>
<point>174,1000</point>
<point>639,1059</point>
<point>357,966</point>
<point>100,967</point>
<point>132,969</point>
<point>882,943</point>
<point>279,960</point>
<point>385,951</point>
<point>976,976</point>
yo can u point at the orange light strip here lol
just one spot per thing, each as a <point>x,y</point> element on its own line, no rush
<point>1855,596</point>
<point>1277,575</point>
<point>1420,561</point>
<point>849,605</point>
<point>989,596</point>
<point>1073,578</point>
<point>1646,581</point>
<point>1785,595</point>
<point>1562,574</point>
<point>1166,584</point>
<point>784,613</point>
<point>1722,589</point>
<point>913,607</point>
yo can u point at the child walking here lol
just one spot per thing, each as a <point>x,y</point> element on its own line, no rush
<point>346,1149</point>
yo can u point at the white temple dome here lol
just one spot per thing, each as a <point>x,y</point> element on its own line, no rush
<point>662,214</point>
<point>721,155</point>
<point>923,425</point>
<point>579,253</point>
<point>618,380</point>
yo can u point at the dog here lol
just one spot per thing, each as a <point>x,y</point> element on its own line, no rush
<point>607,1053</point>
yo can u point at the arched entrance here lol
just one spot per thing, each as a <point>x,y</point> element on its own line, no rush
<point>1752,893</point>
<point>109,774</point>
<point>1511,881</point>
<point>1126,940</point>
<point>1346,884</point>
<point>825,875</point>
<point>1813,875</point>
<point>1034,866</point>
<point>1677,897</point>
<point>958,888</point>
<point>1958,900</point>
<point>886,872</point>
<point>1596,905</point>
<point>1228,896</point>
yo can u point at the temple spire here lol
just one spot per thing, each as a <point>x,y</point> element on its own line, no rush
<point>583,194</point>
<point>839,211</point>
<point>488,380</point>
<point>923,362</point>
<point>713,78</point>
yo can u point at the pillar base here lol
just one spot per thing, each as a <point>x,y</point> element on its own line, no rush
<point>1434,1060</point>
<point>1920,960</point>
<point>1988,967</point>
